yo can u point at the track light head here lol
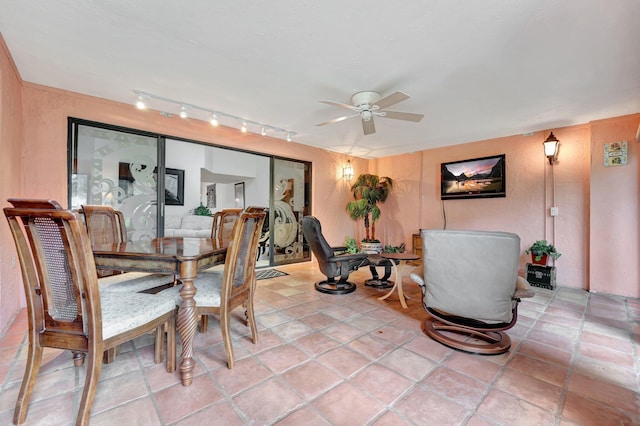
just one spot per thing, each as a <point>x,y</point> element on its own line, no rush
<point>183,112</point>
<point>214,120</point>
<point>140,102</point>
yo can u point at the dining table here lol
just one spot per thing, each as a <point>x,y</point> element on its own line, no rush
<point>180,256</point>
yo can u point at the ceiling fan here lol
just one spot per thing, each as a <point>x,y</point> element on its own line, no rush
<point>366,105</point>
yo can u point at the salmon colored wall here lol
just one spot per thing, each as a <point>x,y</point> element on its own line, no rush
<point>613,222</point>
<point>600,248</point>
<point>11,171</point>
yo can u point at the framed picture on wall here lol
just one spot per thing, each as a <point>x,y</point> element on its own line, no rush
<point>239,195</point>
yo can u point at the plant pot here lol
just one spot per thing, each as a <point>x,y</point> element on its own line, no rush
<point>544,259</point>
<point>371,248</point>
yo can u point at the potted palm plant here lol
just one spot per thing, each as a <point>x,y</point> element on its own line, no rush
<point>540,251</point>
<point>368,191</point>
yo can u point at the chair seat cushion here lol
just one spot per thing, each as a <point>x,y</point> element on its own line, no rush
<point>208,284</point>
<point>122,312</point>
<point>133,282</point>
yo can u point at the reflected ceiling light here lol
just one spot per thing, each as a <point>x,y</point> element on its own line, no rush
<point>140,102</point>
<point>215,115</point>
<point>551,148</point>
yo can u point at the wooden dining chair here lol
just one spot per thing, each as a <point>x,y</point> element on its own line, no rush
<point>223,222</point>
<point>221,293</point>
<point>65,306</point>
<point>105,225</point>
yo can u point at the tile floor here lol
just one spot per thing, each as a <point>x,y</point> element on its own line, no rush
<point>353,360</point>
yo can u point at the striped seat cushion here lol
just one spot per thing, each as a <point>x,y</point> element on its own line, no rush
<point>208,284</point>
<point>122,312</point>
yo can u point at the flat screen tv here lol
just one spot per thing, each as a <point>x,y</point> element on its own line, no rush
<point>475,178</point>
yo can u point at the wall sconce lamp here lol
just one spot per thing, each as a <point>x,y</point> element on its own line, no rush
<point>347,171</point>
<point>551,148</point>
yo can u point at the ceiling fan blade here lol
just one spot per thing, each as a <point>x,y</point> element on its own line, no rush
<point>336,120</point>
<point>368,127</point>
<point>407,116</point>
<point>341,105</point>
<point>392,99</point>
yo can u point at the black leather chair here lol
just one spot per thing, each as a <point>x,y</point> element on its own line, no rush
<point>331,264</point>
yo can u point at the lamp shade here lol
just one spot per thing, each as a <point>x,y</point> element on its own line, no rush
<point>551,147</point>
<point>347,171</point>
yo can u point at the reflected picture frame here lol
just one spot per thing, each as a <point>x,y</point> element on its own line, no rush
<point>173,187</point>
<point>238,190</point>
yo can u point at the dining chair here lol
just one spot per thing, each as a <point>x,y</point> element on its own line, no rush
<point>65,306</point>
<point>105,225</point>
<point>220,293</point>
<point>223,222</point>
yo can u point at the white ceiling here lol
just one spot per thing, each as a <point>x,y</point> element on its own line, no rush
<point>476,69</point>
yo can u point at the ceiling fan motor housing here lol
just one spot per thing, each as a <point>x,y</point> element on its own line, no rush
<point>365,98</point>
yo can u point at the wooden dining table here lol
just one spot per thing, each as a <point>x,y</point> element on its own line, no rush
<point>180,256</point>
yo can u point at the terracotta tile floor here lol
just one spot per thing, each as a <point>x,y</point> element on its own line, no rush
<point>353,360</point>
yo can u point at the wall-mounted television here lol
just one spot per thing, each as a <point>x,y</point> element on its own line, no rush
<point>475,178</point>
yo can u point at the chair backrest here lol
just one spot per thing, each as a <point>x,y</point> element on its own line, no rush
<point>223,222</point>
<point>240,263</point>
<point>319,246</point>
<point>105,225</point>
<point>471,274</point>
<point>58,273</point>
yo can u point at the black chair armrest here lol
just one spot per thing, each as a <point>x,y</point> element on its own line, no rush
<point>347,257</point>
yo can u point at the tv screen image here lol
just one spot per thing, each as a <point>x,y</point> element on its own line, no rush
<point>475,178</point>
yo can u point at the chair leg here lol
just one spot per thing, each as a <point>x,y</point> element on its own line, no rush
<point>94,366</point>
<point>171,345</point>
<point>34,360</point>
<point>204,323</point>
<point>110,355</point>
<point>158,353</point>
<point>225,319</point>
<point>252,322</point>
<point>78,358</point>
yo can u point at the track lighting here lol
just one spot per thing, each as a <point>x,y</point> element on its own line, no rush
<point>140,102</point>
<point>215,115</point>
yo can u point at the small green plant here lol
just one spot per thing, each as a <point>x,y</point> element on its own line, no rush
<point>351,245</point>
<point>394,249</point>
<point>542,247</point>
<point>201,210</point>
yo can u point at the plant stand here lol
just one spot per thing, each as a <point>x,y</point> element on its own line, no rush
<point>541,276</point>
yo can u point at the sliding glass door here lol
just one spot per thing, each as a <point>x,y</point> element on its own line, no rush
<point>116,168</point>
<point>128,170</point>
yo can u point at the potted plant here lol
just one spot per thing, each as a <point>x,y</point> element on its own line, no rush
<point>540,251</point>
<point>201,210</point>
<point>368,191</point>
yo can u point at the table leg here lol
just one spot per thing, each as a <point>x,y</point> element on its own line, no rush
<point>398,269</point>
<point>187,320</point>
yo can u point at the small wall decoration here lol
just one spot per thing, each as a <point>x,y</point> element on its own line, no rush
<point>615,154</point>
<point>239,195</point>
<point>211,196</point>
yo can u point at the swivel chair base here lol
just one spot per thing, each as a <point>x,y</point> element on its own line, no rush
<point>375,281</point>
<point>331,286</point>
<point>468,335</point>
